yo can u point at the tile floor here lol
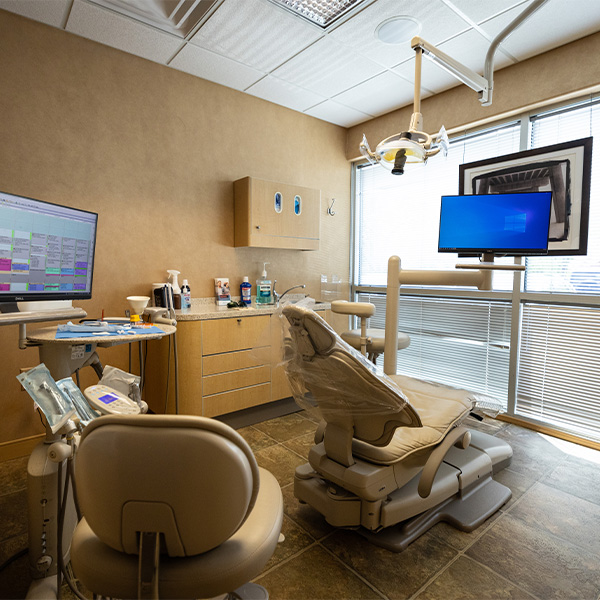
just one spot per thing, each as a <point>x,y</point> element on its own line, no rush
<point>544,544</point>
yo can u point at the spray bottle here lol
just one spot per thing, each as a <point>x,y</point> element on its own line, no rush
<point>175,287</point>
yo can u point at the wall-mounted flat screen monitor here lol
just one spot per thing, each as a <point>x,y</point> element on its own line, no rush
<point>46,250</point>
<point>500,224</point>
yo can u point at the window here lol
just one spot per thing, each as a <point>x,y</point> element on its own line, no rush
<point>466,341</point>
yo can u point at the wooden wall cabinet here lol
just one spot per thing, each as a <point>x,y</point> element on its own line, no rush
<point>276,215</point>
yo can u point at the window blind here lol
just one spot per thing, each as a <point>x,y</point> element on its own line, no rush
<point>464,343</point>
<point>400,214</point>
<point>559,379</point>
<point>570,274</point>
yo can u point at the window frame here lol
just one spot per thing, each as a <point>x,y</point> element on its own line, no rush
<point>517,297</point>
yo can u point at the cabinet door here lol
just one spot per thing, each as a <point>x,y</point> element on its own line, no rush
<point>237,333</point>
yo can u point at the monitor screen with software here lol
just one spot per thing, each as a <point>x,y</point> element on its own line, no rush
<point>501,224</point>
<point>46,250</point>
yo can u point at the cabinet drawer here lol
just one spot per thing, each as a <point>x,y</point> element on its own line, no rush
<point>227,402</point>
<point>223,382</point>
<point>227,335</point>
<point>234,361</point>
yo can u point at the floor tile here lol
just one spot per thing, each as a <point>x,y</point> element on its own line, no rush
<point>13,511</point>
<point>14,579</point>
<point>466,579</point>
<point>516,482</point>
<point>533,455</point>
<point>397,574</point>
<point>302,444</point>
<point>304,515</point>
<point>314,575</point>
<point>286,428</point>
<point>564,515</point>
<point>296,539</point>
<point>578,477</point>
<point>537,561</point>
<point>257,440</point>
<point>13,475</point>
<point>280,461</point>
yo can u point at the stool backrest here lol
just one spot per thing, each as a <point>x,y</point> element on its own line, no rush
<point>193,479</point>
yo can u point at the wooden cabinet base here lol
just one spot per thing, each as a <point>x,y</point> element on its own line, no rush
<point>220,404</point>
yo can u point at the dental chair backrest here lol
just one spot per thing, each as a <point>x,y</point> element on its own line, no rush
<point>195,480</point>
<point>350,392</point>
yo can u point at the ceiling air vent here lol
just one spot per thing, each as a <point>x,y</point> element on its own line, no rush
<point>177,17</point>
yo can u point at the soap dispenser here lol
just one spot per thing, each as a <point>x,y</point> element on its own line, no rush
<point>264,289</point>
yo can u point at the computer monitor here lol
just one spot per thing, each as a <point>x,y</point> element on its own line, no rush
<point>46,251</point>
<point>499,224</point>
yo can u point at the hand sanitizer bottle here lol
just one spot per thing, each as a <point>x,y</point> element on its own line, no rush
<point>264,288</point>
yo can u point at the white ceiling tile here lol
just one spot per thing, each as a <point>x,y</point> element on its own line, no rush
<point>281,92</point>
<point>336,113</point>
<point>125,34</point>
<point>479,11</point>
<point>51,12</point>
<point>273,37</point>
<point>214,67</point>
<point>556,23</point>
<point>469,48</point>
<point>378,95</point>
<point>438,23</point>
<point>327,68</point>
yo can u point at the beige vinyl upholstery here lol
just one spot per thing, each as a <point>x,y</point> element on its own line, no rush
<point>193,480</point>
<point>391,456</point>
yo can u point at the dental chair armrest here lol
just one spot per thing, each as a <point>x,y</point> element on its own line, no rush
<point>460,437</point>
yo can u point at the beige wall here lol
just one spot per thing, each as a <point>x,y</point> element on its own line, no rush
<point>566,71</point>
<point>154,152</point>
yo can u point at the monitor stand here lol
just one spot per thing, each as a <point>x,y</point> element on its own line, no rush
<point>35,306</point>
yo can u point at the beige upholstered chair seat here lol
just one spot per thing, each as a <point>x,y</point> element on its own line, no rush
<point>440,409</point>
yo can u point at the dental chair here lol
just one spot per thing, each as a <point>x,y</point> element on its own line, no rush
<point>173,507</point>
<point>370,342</point>
<point>391,458</point>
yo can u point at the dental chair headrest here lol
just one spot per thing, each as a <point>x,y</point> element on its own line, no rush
<point>193,479</point>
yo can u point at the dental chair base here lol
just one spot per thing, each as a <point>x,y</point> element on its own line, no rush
<point>463,492</point>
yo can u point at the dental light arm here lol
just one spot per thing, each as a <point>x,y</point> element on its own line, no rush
<point>416,146</point>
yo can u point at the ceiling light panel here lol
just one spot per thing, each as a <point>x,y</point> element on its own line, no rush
<point>323,13</point>
<point>255,33</point>
<point>327,68</point>
<point>177,17</point>
<point>104,26</point>
<point>438,23</point>
<point>214,67</point>
<point>51,13</point>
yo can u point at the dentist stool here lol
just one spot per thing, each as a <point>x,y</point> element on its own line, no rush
<point>179,499</point>
<point>370,342</point>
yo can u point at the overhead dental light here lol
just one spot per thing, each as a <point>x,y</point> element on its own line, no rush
<point>414,145</point>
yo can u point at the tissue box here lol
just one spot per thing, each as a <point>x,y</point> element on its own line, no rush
<point>222,293</point>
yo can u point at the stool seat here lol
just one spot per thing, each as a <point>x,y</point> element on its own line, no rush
<point>376,341</point>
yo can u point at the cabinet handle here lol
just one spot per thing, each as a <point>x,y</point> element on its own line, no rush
<point>258,227</point>
<point>239,320</point>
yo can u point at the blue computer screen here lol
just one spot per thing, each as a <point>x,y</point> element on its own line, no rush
<point>495,223</point>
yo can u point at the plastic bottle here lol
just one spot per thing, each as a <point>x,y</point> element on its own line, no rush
<point>246,291</point>
<point>264,289</point>
<point>175,286</point>
<point>186,295</point>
